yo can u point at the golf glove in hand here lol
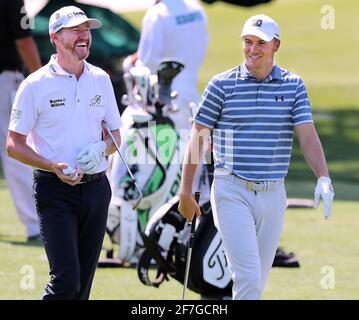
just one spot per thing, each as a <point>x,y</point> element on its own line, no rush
<point>324,189</point>
<point>90,157</point>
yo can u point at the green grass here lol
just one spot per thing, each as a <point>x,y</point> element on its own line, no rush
<point>319,243</point>
<point>16,257</point>
<point>326,59</point>
<point>339,134</point>
<point>316,242</point>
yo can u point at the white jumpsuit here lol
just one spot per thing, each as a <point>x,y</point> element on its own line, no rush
<point>18,175</point>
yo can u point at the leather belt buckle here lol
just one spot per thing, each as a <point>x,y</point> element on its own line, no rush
<point>249,186</point>
<point>255,186</point>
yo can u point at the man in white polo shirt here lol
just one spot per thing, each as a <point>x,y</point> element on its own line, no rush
<point>56,127</point>
<point>253,110</point>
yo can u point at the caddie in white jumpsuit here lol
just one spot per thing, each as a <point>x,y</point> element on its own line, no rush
<point>18,49</point>
<point>253,110</point>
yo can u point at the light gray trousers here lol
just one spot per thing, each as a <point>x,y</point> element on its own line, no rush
<point>18,175</point>
<point>250,224</point>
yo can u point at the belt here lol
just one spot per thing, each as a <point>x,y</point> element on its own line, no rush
<point>251,185</point>
<point>261,185</point>
<point>85,178</point>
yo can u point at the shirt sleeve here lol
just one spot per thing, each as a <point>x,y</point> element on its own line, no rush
<point>151,44</point>
<point>112,115</point>
<point>18,18</point>
<point>301,111</point>
<point>23,114</point>
<point>211,104</point>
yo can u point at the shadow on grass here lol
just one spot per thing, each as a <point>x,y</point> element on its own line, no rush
<point>30,243</point>
<point>339,134</point>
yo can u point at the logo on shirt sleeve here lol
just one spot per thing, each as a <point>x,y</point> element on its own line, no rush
<point>16,114</point>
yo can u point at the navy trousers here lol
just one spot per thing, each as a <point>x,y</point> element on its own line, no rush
<point>72,224</point>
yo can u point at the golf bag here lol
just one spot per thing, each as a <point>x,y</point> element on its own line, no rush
<point>166,239</point>
<point>151,148</point>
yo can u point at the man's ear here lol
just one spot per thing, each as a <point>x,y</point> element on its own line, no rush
<point>54,36</point>
<point>276,45</point>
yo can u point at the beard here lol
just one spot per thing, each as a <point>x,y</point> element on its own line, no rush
<point>80,53</point>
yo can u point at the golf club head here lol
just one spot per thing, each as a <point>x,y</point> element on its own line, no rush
<point>127,78</point>
<point>138,200</point>
<point>166,72</point>
<point>141,75</point>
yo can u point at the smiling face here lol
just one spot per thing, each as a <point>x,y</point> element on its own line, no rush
<point>259,54</point>
<point>73,43</point>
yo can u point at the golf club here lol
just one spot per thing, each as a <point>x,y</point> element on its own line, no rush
<point>138,200</point>
<point>190,245</point>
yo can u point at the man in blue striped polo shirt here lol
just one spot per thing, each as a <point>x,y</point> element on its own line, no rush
<point>252,110</point>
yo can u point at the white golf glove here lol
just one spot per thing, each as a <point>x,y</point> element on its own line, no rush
<point>90,157</point>
<point>324,189</point>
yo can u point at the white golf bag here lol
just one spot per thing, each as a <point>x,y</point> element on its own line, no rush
<point>152,150</point>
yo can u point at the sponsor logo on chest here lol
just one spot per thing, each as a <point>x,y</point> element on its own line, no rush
<point>96,101</point>
<point>279,98</point>
<point>54,103</point>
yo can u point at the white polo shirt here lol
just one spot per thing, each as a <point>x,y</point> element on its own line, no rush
<point>60,114</point>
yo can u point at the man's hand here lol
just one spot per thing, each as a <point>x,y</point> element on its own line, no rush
<point>324,189</point>
<point>90,157</point>
<point>188,207</point>
<point>67,174</point>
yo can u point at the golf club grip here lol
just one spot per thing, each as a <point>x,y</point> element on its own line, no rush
<point>197,195</point>
<point>189,250</point>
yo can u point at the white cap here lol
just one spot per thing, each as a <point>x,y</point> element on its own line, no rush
<point>70,17</point>
<point>261,26</point>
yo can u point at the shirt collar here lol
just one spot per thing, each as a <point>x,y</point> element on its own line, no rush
<point>55,68</point>
<point>246,74</point>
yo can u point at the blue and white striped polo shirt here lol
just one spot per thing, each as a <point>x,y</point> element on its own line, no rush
<point>253,121</point>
